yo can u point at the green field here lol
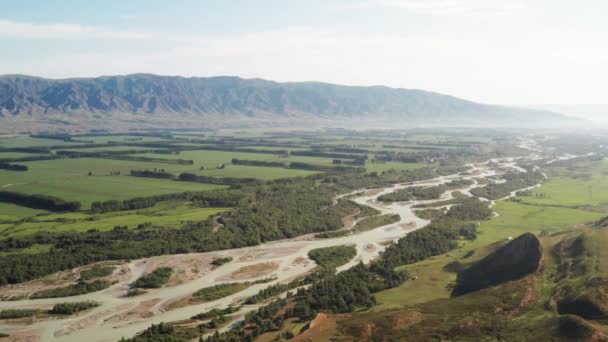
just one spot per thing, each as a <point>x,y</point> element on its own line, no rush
<point>68,179</point>
<point>165,215</point>
<point>26,141</point>
<point>514,219</point>
<point>11,155</point>
<point>115,138</point>
<point>11,212</point>
<point>575,189</point>
<point>109,148</point>
<point>211,159</point>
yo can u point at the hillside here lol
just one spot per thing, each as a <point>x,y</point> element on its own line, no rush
<point>143,100</point>
<point>516,259</point>
<point>563,301</point>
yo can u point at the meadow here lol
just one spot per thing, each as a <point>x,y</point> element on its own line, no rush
<point>12,155</point>
<point>166,215</point>
<point>14,141</point>
<point>586,185</point>
<point>89,180</point>
<point>69,179</point>
<point>433,280</point>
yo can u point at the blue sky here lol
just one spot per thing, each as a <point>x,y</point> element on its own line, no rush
<point>508,52</point>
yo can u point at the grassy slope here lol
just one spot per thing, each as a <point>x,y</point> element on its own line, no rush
<point>10,212</point>
<point>514,311</point>
<point>514,219</point>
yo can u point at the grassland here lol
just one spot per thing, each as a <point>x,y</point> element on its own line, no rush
<point>68,179</point>
<point>115,139</point>
<point>109,148</point>
<point>567,200</point>
<point>26,141</point>
<point>14,155</point>
<point>589,188</point>
<point>212,159</point>
<point>93,179</point>
<point>12,212</point>
<point>433,280</point>
<point>166,215</point>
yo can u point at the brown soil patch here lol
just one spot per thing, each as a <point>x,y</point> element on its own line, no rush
<point>189,268</point>
<point>186,267</point>
<point>23,336</point>
<point>141,311</point>
<point>373,192</point>
<point>277,252</point>
<point>251,271</point>
<point>408,226</point>
<point>300,261</point>
<point>252,256</point>
<point>405,319</point>
<point>349,221</point>
<point>322,328</point>
<point>526,300</point>
<point>83,323</point>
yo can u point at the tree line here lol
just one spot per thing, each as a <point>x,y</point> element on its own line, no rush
<point>274,210</point>
<point>35,201</point>
<point>120,156</point>
<point>214,198</point>
<point>12,167</point>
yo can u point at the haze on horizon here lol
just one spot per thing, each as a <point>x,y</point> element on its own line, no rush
<point>503,52</point>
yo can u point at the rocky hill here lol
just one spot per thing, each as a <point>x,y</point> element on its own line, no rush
<point>512,261</point>
<point>145,100</point>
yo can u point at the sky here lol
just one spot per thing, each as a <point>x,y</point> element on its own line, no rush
<point>491,51</point>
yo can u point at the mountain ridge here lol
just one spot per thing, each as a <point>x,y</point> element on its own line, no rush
<point>224,101</point>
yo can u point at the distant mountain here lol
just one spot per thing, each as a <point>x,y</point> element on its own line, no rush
<point>593,112</point>
<point>144,100</point>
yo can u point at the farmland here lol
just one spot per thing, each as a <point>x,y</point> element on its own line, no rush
<point>158,200</point>
<point>97,168</point>
<point>565,204</point>
<point>69,179</point>
<point>102,171</point>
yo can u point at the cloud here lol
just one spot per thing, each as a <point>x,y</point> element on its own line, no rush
<point>523,67</point>
<point>12,29</point>
<point>456,7</point>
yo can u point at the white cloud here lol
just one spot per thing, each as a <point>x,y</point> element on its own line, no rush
<point>488,71</point>
<point>456,7</point>
<point>14,29</point>
<point>523,66</point>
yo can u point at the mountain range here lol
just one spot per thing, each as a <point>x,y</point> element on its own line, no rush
<point>150,101</point>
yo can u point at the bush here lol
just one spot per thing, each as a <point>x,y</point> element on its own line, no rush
<point>15,313</point>
<point>154,280</point>
<point>221,261</point>
<point>72,308</point>
<point>73,290</point>
<point>39,201</point>
<point>332,257</point>
<point>96,272</point>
